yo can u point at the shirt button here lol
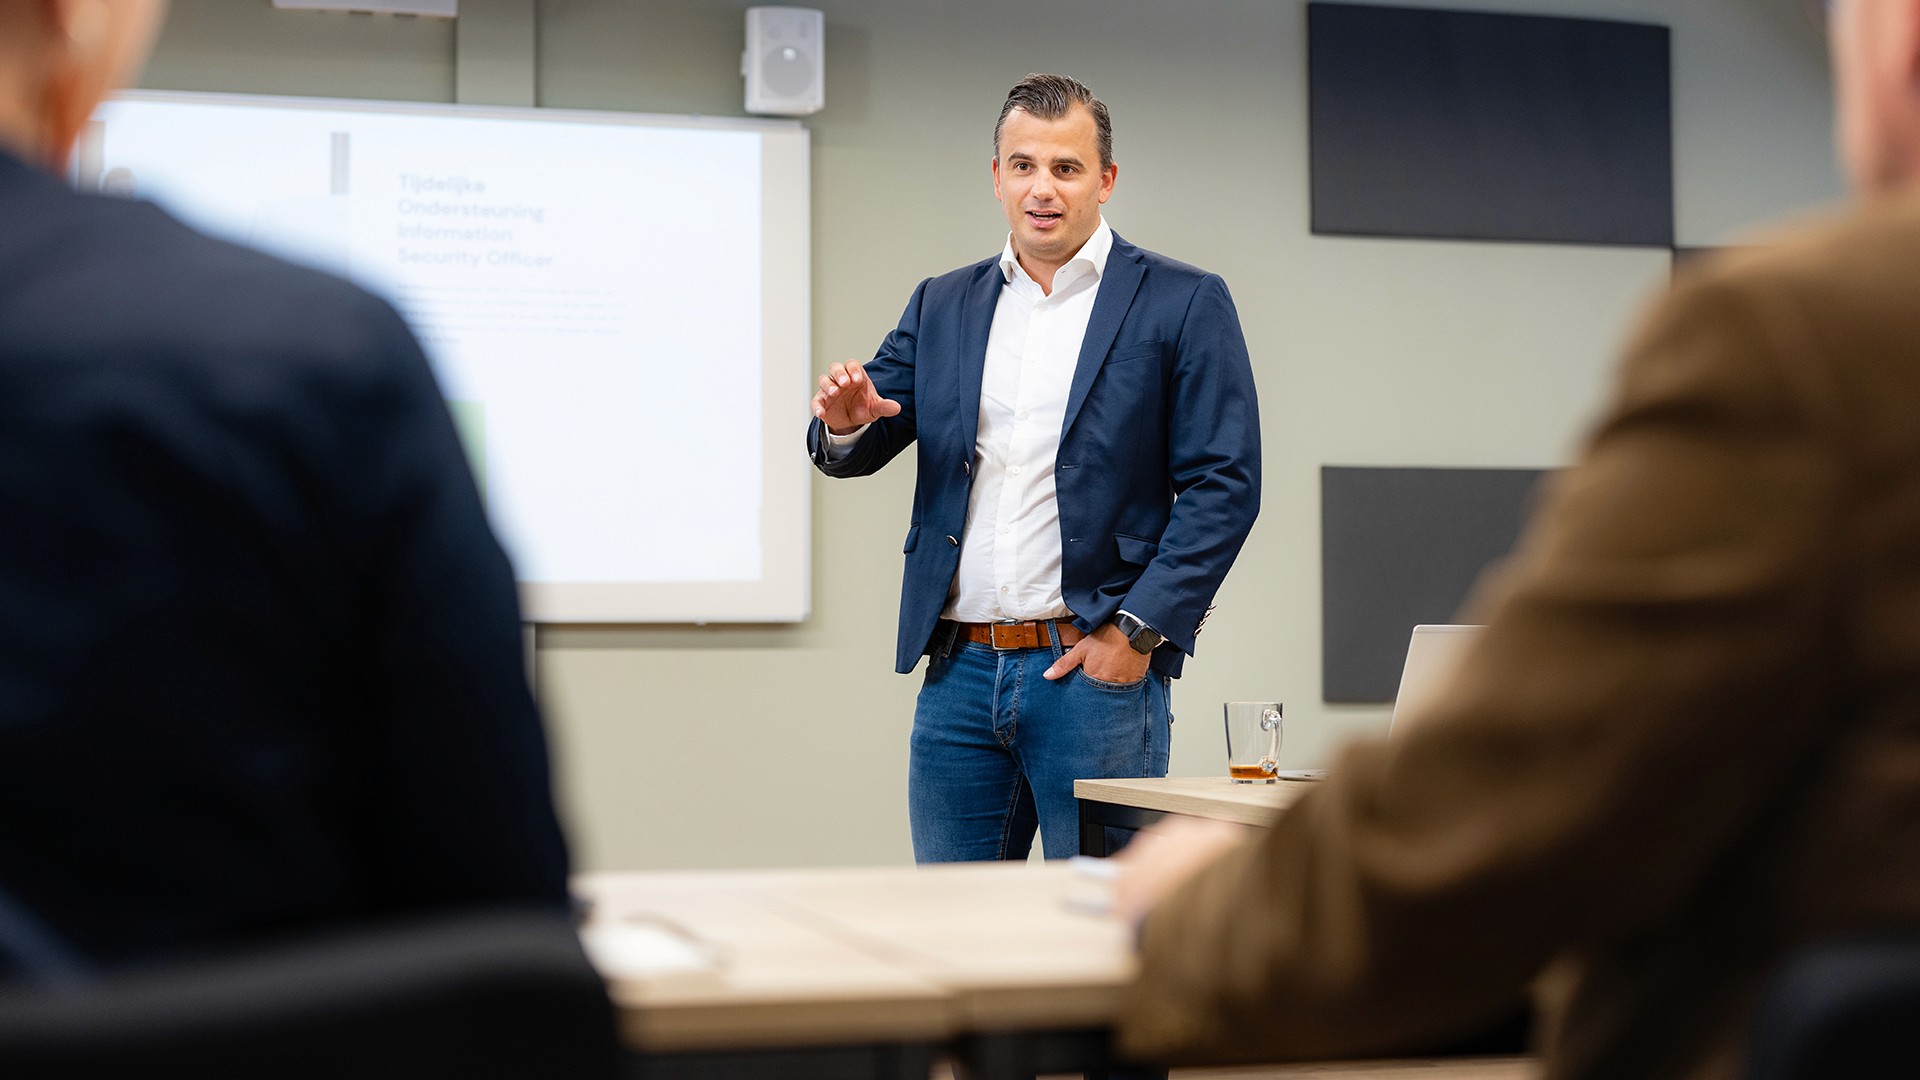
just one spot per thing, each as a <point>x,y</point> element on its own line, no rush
<point>1023,414</point>
<point>1003,588</point>
<point>1005,529</point>
<point>1013,470</point>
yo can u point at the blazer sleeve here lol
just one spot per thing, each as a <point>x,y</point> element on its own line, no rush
<point>1595,758</point>
<point>457,805</point>
<point>892,373</point>
<point>1214,463</point>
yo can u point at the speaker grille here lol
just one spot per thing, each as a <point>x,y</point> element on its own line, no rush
<point>787,71</point>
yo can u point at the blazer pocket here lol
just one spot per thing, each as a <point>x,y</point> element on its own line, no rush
<point>1143,351</point>
<point>913,537</point>
<point>1135,550</point>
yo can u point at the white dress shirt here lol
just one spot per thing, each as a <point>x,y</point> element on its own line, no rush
<point>1010,550</point>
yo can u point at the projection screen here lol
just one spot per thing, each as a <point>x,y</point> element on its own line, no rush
<point>616,306</point>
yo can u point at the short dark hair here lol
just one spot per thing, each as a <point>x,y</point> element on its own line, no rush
<point>1051,97</point>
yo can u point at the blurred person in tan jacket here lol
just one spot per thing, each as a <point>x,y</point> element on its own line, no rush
<point>1688,741</point>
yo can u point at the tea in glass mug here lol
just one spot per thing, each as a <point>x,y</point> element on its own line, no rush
<point>1253,741</point>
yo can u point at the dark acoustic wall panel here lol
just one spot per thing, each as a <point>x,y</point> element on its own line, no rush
<point>1477,126</point>
<point>1401,547</point>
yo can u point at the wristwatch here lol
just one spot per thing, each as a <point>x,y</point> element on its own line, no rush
<point>1142,637</point>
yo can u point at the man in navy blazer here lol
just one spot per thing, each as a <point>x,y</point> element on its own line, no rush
<point>1089,466</point>
<point>260,655</point>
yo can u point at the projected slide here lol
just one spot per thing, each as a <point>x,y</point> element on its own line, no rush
<point>591,291</point>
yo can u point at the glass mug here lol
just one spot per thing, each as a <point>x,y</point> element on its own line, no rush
<point>1253,741</point>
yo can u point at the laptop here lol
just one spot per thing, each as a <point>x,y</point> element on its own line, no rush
<point>1432,654</point>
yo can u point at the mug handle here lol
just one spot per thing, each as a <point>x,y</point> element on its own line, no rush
<point>1270,723</point>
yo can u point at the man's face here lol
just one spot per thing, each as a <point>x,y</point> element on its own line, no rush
<point>1049,179</point>
<point>1876,102</point>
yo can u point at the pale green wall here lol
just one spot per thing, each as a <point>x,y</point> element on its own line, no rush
<point>691,746</point>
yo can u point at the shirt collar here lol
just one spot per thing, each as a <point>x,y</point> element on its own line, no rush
<point>1091,258</point>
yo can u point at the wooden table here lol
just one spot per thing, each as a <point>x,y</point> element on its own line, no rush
<point>870,972</point>
<point>1137,803</point>
<point>874,972</point>
<point>787,997</point>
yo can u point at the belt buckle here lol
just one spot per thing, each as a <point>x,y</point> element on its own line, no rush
<point>993,635</point>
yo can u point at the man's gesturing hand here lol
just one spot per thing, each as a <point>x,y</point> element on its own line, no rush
<point>848,400</point>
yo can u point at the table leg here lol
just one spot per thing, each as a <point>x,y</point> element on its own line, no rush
<point>1100,821</point>
<point>1093,835</point>
<point>887,1061</point>
<point>1023,1055</point>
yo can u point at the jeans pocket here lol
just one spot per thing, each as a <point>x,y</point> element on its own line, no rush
<point>1113,687</point>
<point>937,665</point>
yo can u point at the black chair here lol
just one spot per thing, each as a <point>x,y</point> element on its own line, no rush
<point>1843,1011</point>
<point>475,997</point>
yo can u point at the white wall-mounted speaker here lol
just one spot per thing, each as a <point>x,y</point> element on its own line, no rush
<point>785,62</point>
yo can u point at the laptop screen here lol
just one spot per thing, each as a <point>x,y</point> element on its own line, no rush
<point>1432,654</point>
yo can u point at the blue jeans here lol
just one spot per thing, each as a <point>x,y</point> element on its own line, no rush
<point>996,748</point>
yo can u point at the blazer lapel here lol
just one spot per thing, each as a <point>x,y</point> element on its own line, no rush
<point>1118,282</point>
<point>983,297</point>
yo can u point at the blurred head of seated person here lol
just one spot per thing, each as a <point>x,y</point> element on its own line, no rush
<point>260,655</point>
<point>1687,742</point>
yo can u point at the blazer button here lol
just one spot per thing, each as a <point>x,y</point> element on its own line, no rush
<point>967,467</point>
<point>954,540</point>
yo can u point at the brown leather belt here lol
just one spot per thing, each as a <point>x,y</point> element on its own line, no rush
<point>1020,635</point>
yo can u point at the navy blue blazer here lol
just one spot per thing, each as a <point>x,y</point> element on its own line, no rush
<point>1158,473</point>
<point>260,655</point>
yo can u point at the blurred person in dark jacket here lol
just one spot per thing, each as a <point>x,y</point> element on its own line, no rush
<point>260,654</point>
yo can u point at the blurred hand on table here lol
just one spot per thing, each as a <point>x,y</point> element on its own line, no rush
<point>1159,859</point>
